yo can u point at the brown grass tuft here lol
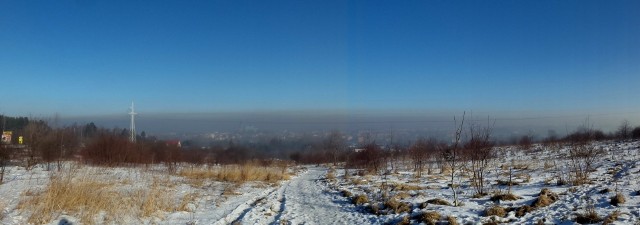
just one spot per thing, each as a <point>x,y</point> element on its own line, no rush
<point>2,213</point>
<point>521,211</point>
<point>405,187</point>
<point>617,199</point>
<point>430,218</point>
<point>588,217</point>
<point>495,210</point>
<point>397,206</point>
<point>438,201</point>
<point>404,221</point>
<point>611,218</point>
<point>402,195</point>
<point>452,220</point>
<point>545,198</point>
<point>346,193</point>
<point>360,200</point>
<point>505,197</point>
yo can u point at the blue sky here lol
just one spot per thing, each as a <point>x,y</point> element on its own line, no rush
<point>81,58</point>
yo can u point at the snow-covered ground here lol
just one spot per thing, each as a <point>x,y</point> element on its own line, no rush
<point>617,170</point>
<point>310,197</point>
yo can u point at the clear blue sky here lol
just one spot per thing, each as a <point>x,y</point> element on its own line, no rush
<point>95,57</point>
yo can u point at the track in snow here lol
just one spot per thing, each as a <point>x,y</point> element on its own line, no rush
<point>304,199</point>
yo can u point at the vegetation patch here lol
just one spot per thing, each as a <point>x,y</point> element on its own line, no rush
<point>452,220</point>
<point>617,199</point>
<point>397,206</point>
<point>438,201</point>
<point>360,200</point>
<point>430,218</point>
<point>495,210</point>
<point>545,198</point>
<point>85,196</point>
<point>588,217</point>
<point>505,197</point>
<point>237,173</point>
<point>611,218</point>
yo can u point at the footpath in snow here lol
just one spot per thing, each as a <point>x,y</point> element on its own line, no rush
<point>305,199</point>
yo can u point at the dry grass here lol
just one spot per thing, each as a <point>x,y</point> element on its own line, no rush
<point>397,206</point>
<point>404,221</point>
<point>236,173</point>
<point>546,197</point>
<point>588,217</point>
<point>452,220</point>
<point>2,213</point>
<point>185,203</point>
<point>611,218</point>
<point>505,197</point>
<point>402,195</point>
<point>521,211</point>
<point>360,200</point>
<point>346,193</point>
<point>405,187</point>
<point>495,210</point>
<point>438,201</point>
<point>94,200</point>
<point>618,199</point>
<point>430,218</point>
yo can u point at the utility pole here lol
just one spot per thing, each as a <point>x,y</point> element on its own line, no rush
<point>132,128</point>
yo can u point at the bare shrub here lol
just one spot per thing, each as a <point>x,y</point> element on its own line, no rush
<point>430,218</point>
<point>370,158</point>
<point>479,151</point>
<point>617,199</point>
<point>420,153</point>
<point>582,153</point>
<point>452,157</point>
<point>589,216</point>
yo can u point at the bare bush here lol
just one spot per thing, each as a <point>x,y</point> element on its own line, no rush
<point>419,153</point>
<point>479,152</point>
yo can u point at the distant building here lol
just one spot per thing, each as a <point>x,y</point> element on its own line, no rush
<point>175,143</point>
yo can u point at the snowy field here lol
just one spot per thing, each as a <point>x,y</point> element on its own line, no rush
<point>323,195</point>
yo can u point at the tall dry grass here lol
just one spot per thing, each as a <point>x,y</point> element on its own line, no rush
<point>236,173</point>
<point>95,200</point>
<point>2,212</point>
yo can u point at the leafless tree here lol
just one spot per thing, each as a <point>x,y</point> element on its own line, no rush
<point>36,132</point>
<point>624,130</point>
<point>419,153</point>
<point>452,157</point>
<point>5,157</point>
<point>334,144</point>
<point>479,151</point>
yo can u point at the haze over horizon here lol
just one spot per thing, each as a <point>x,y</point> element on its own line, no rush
<point>340,64</point>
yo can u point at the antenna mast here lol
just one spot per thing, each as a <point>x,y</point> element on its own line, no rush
<point>132,129</point>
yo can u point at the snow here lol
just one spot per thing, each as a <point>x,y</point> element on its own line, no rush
<point>310,198</point>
